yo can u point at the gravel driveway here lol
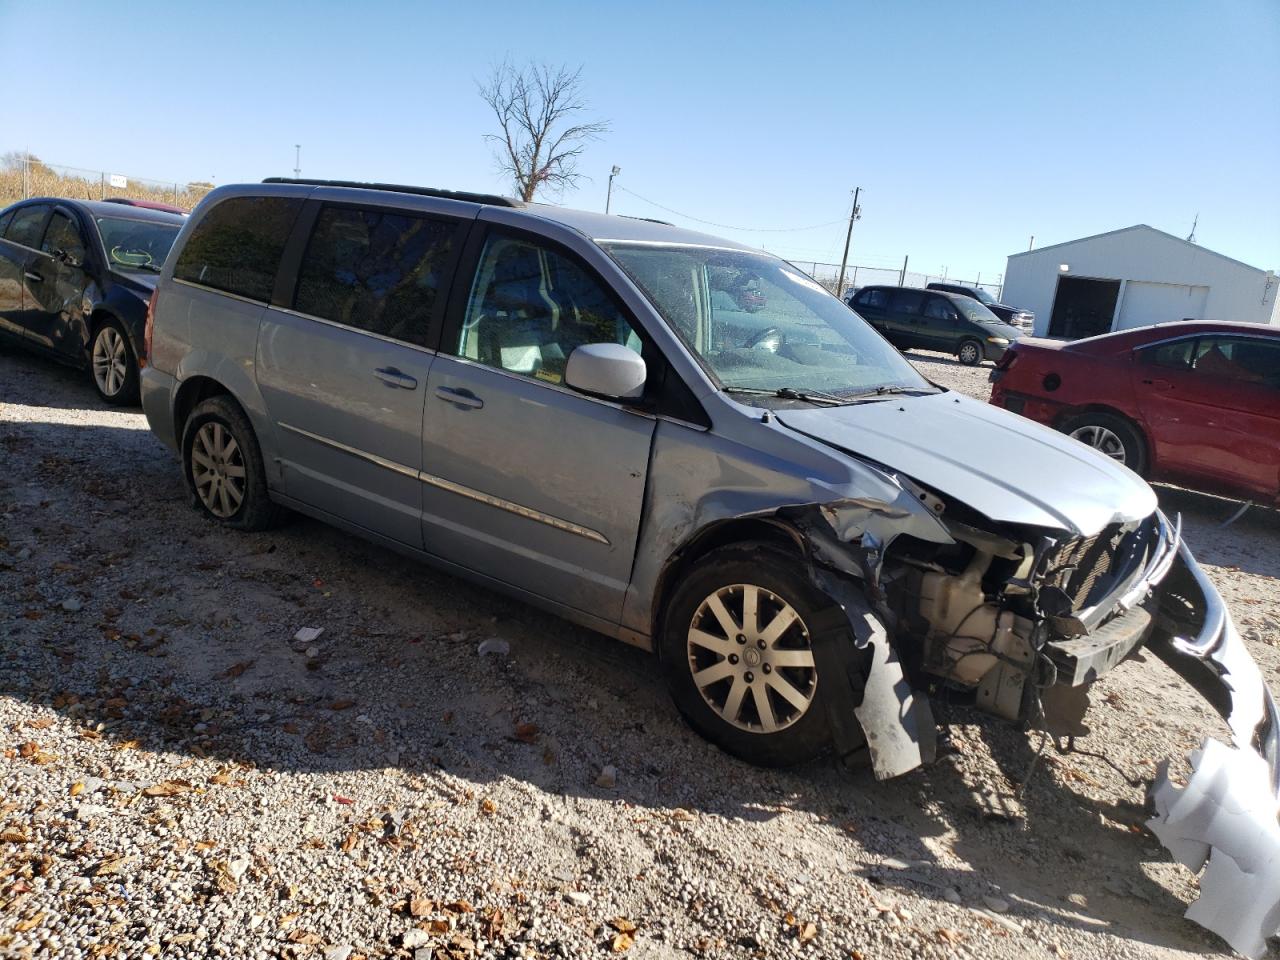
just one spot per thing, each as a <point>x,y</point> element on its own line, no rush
<point>181,779</point>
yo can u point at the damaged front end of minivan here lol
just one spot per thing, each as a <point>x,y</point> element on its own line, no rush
<point>1020,622</point>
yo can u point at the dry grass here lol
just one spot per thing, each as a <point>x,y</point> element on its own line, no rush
<point>43,181</point>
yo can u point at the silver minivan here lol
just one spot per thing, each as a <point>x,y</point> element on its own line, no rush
<point>679,442</point>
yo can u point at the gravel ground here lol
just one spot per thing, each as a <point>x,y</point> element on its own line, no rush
<point>180,779</point>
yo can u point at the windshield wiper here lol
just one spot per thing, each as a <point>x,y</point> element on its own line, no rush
<point>885,391</point>
<point>790,393</point>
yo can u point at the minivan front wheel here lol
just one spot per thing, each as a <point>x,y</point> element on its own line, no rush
<point>970,353</point>
<point>224,468</point>
<point>738,654</point>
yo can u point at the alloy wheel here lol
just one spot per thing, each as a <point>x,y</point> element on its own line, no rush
<point>110,361</point>
<point>218,470</point>
<point>1100,438</point>
<point>751,659</point>
<point>968,353</point>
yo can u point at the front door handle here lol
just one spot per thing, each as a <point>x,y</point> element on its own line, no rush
<point>32,275</point>
<point>393,377</point>
<point>1159,384</point>
<point>460,397</point>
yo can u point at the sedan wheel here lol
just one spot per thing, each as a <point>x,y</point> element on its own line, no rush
<point>1100,438</point>
<point>112,364</point>
<point>218,470</point>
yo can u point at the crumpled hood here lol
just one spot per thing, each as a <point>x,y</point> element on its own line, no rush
<point>1000,464</point>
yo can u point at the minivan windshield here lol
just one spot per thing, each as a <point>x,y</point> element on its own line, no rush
<point>758,323</point>
<point>975,311</point>
<point>137,244</point>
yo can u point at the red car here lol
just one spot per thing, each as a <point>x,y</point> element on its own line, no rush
<point>1197,404</point>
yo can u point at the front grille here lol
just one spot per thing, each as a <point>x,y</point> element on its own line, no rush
<point>1076,566</point>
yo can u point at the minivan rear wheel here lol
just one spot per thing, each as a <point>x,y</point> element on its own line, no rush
<point>224,469</point>
<point>736,647</point>
<point>970,353</point>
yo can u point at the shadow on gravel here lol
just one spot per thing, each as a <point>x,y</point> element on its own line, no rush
<point>36,380</point>
<point>1251,544</point>
<point>139,622</point>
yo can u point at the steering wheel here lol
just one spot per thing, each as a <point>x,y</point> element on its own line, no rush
<point>771,339</point>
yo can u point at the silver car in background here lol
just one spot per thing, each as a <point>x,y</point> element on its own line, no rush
<point>578,410</point>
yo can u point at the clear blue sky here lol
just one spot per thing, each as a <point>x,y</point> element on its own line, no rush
<point>969,126</point>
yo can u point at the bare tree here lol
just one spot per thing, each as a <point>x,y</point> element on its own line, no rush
<point>540,143</point>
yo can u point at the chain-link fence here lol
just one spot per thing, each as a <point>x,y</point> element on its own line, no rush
<point>856,276</point>
<point>23,175</point>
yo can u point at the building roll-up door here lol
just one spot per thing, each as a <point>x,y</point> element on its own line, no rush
<point>1143,303</point>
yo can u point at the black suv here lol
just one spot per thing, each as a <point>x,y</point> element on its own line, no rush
<point>1022,319</point>
<point>75,277</point>
<point>933,320</point>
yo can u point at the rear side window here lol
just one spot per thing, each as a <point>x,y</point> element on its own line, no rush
<point>873,298</point>
<point>908,301</point>
<point>375,270</point>
<point>1240,360</point>
<point>26,225</point>
<point>1172,356</point>
<point>237,245</point>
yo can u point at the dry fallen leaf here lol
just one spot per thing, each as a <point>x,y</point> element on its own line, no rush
<point>808,931</point>
<point>947,935</point>
<point>460,906</point>
<point>622,925</point>
<point>40,723</point>
<point>237,669</point>
<point>14,835</point>
<point>342,705</point>
<point>487,806</point>
<point>170,788</point>
<point>526,732</point>
<point>76,788</point>
<point>420,907</point>
<point>305,936</point>
<point>33,921</point>
<point>112,865</point>
<point>621,942</point>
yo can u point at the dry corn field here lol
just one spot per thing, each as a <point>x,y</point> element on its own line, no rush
<point>43,181</point>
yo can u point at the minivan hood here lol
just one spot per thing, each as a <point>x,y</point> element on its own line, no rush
<point>1002,465</point>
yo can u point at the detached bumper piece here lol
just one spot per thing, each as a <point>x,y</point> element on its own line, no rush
<point>1228,815</point>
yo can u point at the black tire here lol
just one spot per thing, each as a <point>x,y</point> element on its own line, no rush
<point>969,353</point>
<point>776,572</point>
<point>1128,434</point>
<point>254,510</point>
<point>104,373</point>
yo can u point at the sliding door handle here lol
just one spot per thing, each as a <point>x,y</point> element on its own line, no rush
<point>394,378</point>
<point>460,397</point>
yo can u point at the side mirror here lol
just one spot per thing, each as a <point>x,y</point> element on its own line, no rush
<point>607,370</point>
<point>69,257</point>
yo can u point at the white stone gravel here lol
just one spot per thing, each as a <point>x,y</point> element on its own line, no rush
<point>179,778</point>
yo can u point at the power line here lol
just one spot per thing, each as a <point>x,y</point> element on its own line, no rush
<point>726,226</point>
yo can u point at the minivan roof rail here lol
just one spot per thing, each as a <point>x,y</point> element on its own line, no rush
<point>492,199</point>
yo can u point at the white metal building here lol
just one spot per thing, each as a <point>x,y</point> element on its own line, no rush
<point>1132,278</point>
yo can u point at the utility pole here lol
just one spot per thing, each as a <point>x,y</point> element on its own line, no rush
<point>1032,243</point>
<point>1191,237</point>
<point>902,277</point>
<point>297,160</point>
<point>608,197</point>
<point>844,261</point>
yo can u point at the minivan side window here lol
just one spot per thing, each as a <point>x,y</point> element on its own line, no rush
<point>939,309</point>
<point>375,270</point>
<point>873,298</point>
<point>908,301</point>
<point>531,307</point>
<point>237,245</point>
<point>25,228</point>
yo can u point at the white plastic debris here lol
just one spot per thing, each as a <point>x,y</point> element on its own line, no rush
<point>1226,816</point>
<point>308,634</point>
<point>493,647</point>
<point>608,777</point>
